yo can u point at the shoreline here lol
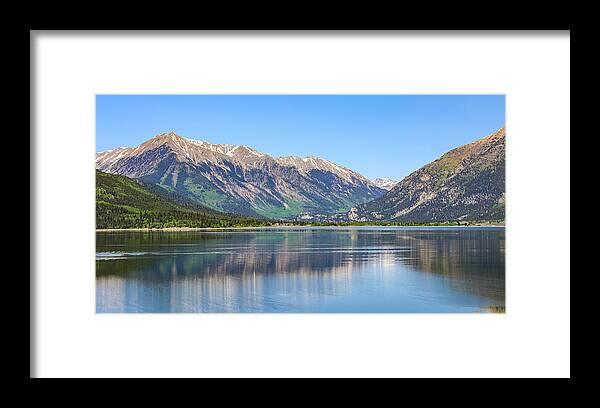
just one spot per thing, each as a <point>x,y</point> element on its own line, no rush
<point>192,229</point>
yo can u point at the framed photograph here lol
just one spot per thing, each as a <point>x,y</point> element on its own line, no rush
<point>332,205</point>
<point>266,219</point>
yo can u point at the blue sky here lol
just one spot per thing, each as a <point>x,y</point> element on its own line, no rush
<point>376,135</point>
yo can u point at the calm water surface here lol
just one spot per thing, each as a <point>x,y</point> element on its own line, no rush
<point>392,269</point>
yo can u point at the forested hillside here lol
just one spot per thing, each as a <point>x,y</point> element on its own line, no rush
<point>125,203</point>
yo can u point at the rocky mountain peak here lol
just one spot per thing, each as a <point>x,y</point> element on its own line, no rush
<point>309,163</point>
<point>385,183</point>
<point>467,183</point>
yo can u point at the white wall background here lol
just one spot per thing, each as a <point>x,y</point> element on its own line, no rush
<point>531,339</point>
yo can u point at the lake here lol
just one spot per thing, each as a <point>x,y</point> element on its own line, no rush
<point>312,269</point>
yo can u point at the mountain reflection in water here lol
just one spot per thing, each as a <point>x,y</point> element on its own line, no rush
<point>301,270</point>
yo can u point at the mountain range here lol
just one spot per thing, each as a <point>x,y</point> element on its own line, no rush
<point>240,179</point>
<point>467,183</point>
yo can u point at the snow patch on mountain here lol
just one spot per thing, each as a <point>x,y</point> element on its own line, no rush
<point>385,183</point>
<point>307,164</point>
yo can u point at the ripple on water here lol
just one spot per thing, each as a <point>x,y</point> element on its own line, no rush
<point>117,255</point>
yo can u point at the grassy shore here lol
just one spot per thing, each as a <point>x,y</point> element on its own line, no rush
<point>183,229</point>
<point>494,309</point>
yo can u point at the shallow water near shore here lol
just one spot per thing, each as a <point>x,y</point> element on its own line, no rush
<point>309,269</point>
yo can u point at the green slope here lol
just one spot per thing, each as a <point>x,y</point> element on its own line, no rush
<point>465,184</point>
<point>124,203</point>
